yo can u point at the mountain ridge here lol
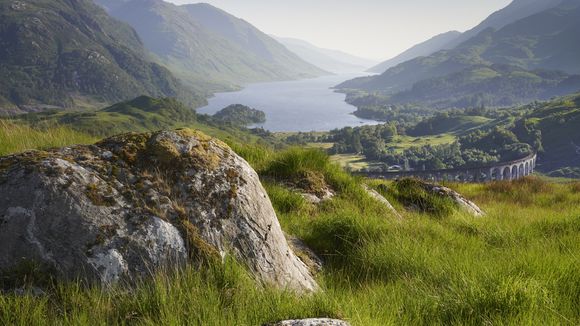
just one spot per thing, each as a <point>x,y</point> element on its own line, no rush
<point>331,60</point>
<point>542,41</point>
<point>432,45</point>
<point>208,48</point>
<point>516,10</point>
<point>68,53</point>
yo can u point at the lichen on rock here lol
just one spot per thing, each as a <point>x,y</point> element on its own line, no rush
<point>135,203</point>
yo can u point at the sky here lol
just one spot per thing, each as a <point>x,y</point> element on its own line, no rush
<point>374,29</point>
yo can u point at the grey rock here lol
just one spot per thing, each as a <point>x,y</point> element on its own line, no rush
<point>380,198</point>
<point>460,200</point>
<point>107,155</point>
<point>464,203</point>
<point>29,291</point>
<point>312,322</point>
<point>326,194</point>
<point>305,254</point>
<point>136,203</point>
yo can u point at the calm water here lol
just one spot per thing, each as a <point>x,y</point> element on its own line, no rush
<point>303,105</point>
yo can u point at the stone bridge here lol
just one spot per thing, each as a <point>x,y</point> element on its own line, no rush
<point>500,171</point>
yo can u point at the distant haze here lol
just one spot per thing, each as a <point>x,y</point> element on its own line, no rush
<point>375,29</point>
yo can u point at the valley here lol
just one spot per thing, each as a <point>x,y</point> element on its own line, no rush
<point>175,163</point>
<point>304,105</point>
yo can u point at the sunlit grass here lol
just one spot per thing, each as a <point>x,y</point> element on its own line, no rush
<point>401,143</point>
<point>517,265</point>
<point>18,138</point>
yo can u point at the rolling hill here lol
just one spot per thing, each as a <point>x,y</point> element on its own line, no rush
<point>69,53</point>
<point>208,48</point>
<point>558,122</point>
<point>496,85</point>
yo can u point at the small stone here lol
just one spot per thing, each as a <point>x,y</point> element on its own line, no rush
<point>311,322</point>
<point>313,199</point>
<point>33,291</point>
<point>107,155</point>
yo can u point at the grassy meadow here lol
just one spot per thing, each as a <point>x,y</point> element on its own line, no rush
<point>20,137</point>
<point>518,265</point>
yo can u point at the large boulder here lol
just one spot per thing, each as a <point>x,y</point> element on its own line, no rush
<point>134,203</point>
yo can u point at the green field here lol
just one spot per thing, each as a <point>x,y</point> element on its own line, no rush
<point>517,265</point>
<point>402,143</point>
<point>320,145</point>
<point>355,162</point>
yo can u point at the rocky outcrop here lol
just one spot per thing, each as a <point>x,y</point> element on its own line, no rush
<point>463,203</point>
<point>131,204</point>
<point>312,322</point>
<point>431,198</point>
<point>380,198</point>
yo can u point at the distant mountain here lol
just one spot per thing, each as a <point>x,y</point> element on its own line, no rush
<point>208,48</point>
<point>547,40</point>
<point>329,60</point>
<point>515,11</point>
<point>65,53</point>
<point>436,43</point>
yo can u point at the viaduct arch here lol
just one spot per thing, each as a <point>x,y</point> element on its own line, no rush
<point>511,170</point>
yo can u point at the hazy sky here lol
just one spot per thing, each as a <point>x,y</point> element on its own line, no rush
<point>377,29</point>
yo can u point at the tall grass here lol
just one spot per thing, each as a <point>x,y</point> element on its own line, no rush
<point>518,265</point>
<point>18,137</point>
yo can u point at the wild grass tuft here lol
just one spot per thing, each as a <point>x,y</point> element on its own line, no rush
<point>16,138</point>
<point>412,194</point>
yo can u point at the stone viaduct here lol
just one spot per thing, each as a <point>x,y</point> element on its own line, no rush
<point>500,171</point>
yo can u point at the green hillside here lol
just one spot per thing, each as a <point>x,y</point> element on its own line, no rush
<point>559,124</point>
<point>207,48</point>
<point>138,115</point>
<point>496,85</point>
<point>435,265</point>
<point>448,123</point>
<point>141,114</point>
<point>65,53</point>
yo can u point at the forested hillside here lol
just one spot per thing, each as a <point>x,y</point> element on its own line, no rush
<point>71,53</point>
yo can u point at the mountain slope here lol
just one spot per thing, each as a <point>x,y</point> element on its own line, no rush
<point>330,60</point>
<point>516,10</point>
<point>436,43</point>
<point>495,85</point>
<point>208,48</point>
<point>543,41</point>
<point>558,122</point>
<point>66,52</point>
